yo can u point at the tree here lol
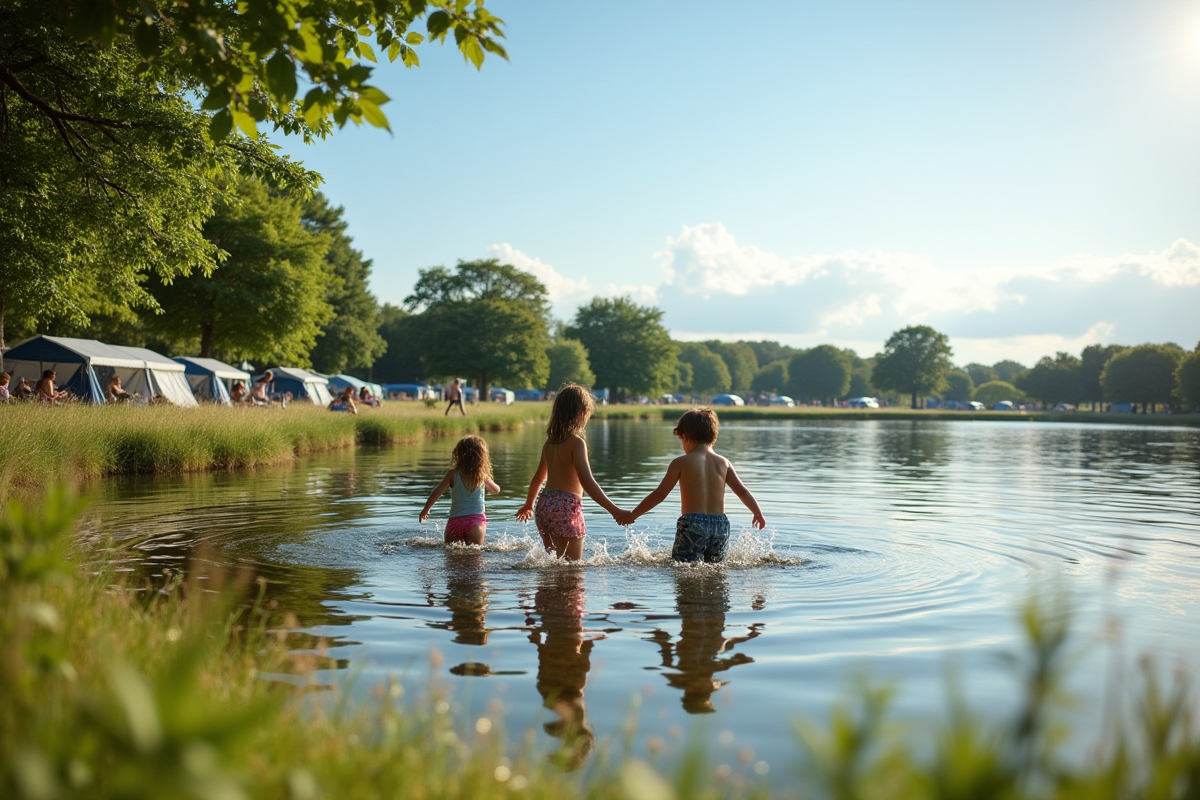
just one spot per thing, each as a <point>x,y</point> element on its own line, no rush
<point>568,364</point>
<point>821,373</point>
<point>1092,362</point>
<point>1187,380</point>
<point>981,373</point>
<point>401,362</point>
<point>1007,371</point>
<point>266,300</point>
<point>993,392</point>
<point>741,362</point>
<point>959,386</point>
<point>350,340</point>
<point>914,361</point>
<point>630,350</point>
<point>860,374</point>
<point>709,375</point>
<point>1053,380</point>
<point>485,320</point>
<point>1144,374</point>
<point>770,352</point>
<point>771,379</point>
<point>249,59</point>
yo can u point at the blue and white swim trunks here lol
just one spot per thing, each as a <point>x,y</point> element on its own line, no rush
<point>701,537</point>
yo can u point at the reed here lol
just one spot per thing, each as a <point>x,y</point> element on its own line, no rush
<point>45,445</point>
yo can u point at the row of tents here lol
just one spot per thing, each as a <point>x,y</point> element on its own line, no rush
<point>85,366</point>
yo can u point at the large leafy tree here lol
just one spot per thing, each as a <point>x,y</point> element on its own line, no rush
<point>1054,380</point>
<point>1007,371</point>
<point>106,176</point>
<point>1093,359</point>
<point>484,320</point>
<point>401,362</point>
<point>741,362</point>
<point>959,386</point>
<point>822,373</point>
<point>350,340</point>
<point>860,374</point>
<point>709,374</point>
<point>771,379</point>
<point>1144,374</point>
<point>266,300</point>
<point>914,361</point>
<point>981,373</point>
<point>770,352</point>
<point>1187,380</point>
<point>630,350</point>
<point>994,392</point>
<point>568,364</point>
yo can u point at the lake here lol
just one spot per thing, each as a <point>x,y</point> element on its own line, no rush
<point>894,549</point>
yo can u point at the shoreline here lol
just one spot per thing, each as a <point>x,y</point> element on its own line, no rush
<point>731,413</point>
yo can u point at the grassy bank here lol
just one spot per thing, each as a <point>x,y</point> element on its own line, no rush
<point>107,692</point>
<point>670,413</point>
<point>44,445</point>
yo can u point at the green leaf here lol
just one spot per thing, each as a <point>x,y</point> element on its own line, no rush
<point>145,39</point>
<point>220,125</point>
<point>258,108</point>
<point>471,50</point>
<point>246,123</point>
<point>410,58</point>
<point>373,95</point>
<point>366,51</point>
<point>393,49</point>
<point>314,107</point>
<point>281,77</point>
<point>218,97</point>
<point>414,38</point>
<point>437,24</point>
<point>373,115</point>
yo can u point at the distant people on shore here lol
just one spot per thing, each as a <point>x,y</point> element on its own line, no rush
<point>23,391</point>
<point>455,395</point>
<point>113,392</point>
<point>258,394</point>
<point>5,379</point>
<point>345,401</point>
<point>46,391</point>
<point>366,398</point>
<point>237,395</point>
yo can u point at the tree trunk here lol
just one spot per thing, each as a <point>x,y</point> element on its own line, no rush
<point>482,386</point>
<point>914,400</point>
<point>1,323</point>
<point>206,340</point>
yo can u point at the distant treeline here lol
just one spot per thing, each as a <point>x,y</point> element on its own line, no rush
<point>291,289</point>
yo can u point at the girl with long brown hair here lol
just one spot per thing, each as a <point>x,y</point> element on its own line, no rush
<point>565,470</point>
<point>469,476</point>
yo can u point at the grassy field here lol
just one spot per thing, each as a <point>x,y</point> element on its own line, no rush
<point>108,691</point>
<point>44,445</point>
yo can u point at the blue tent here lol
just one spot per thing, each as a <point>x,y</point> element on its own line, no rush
<point>84,366</point>
<point>412,391</point>
<point>339,382</point>
<point>303,385</point>
<point>210,378</point>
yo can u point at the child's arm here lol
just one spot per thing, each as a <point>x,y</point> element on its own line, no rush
<point>658,495</point>
<point>539,477</point>
<point>743,494</point>
<point>438,491</point>
<point>490,485</point>
<point>584,470</point>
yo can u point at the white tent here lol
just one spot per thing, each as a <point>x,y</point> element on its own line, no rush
<point>303,385</point>
<point>162,376</point>
<point>211,379</point>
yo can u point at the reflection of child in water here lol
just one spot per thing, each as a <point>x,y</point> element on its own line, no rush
<point>564,659</point>
<point>702,601</point>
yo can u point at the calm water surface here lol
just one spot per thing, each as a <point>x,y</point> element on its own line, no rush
<point>893,547</point>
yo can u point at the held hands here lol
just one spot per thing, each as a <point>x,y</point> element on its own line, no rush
<point>525,513</point>
<point>623,517</point>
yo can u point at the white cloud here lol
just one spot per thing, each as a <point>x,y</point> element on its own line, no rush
<point>566,294</point>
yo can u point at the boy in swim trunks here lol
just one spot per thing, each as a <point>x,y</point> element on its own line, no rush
<point>702,533</point>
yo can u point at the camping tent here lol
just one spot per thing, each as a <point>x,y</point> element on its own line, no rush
<point>85,366</point>
<point>303,385</point>
<point>208,378</point>
<point>340,382</point>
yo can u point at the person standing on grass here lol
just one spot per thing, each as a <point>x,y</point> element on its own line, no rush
<point>455,393</point>
<point>702,533</point>
<point>469,476</point>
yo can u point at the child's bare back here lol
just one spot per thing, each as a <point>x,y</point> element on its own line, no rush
<point>702,480</point>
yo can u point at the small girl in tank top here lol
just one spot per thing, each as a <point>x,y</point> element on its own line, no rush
<point>470,474</point>
<point>565,470</point>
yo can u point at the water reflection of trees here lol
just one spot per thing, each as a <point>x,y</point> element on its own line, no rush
<point>917,449</point>
<point>702,649</point>
<point>564,650</point>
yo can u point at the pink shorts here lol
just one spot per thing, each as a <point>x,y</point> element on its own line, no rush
<point>458,527</point>
<point>559,514</point>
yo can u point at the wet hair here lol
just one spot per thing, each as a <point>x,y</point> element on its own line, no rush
<point>698,425</point>
<point>572,408</point>
<point>470,458</point>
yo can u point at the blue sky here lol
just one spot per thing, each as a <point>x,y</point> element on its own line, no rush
<point>1024,176</point>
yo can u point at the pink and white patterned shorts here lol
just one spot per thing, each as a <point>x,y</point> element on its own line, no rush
<point>457,528</point>
<point>559,514</point>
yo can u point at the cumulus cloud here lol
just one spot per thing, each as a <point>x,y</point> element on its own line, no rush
<point>567,294</point>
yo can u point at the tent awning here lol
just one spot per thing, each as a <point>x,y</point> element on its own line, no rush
<point>211,366</point>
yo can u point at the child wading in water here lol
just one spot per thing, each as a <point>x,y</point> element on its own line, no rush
<point>469,476</point>
<point>565,470</point>
<point>703,530</point>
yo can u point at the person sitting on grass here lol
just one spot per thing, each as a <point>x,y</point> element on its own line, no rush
<point>238,395</point>
<point>46,392</point>
<point>113,393</point>
<point>368,399</point>
<point>258,395</point>
<point>345,402</point>
<point>23,391</point>
<point>702,533</point>
<point>5,378</point>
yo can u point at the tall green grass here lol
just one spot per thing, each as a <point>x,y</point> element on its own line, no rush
<point>106,692</point>
<point>43,445</point>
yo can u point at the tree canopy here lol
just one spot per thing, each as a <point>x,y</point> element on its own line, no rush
<point>768,352</point>
<point>1053,380</point>
<point>981,373</point>
<point>1187,380</point>
<point>568,364</point>
<point>484,320</point>
<point>993,392</point>
<point>740,360</point>
<point>822,373</point>
<point>709,374</point>
<point>959,386</point>
<point>401,362</point>
<point>630,350</point>
<point>1093,359</point>
<point>1007,371</point>
<point>771,379</point>
<point>914,361</point>
<point>1144,374</point>
<point>266,299</point>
